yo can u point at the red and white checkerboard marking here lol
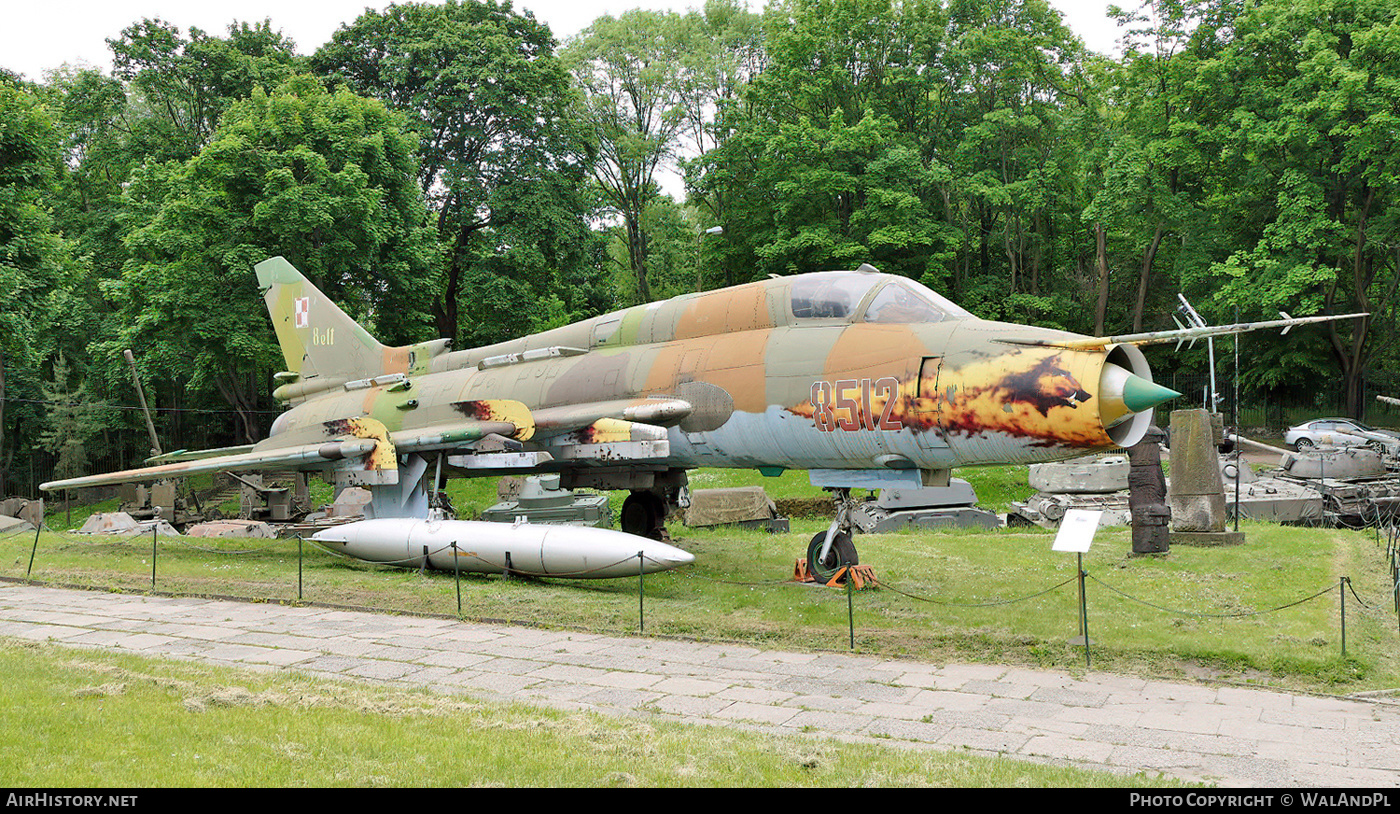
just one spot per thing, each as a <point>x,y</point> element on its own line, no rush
<point>301,310</point>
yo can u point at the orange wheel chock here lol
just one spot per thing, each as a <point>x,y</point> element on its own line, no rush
<point>863,576</point>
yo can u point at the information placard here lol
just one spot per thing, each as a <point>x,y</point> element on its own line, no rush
<point>1077,530</point>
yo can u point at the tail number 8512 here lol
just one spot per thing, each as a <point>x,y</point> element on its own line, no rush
<point>848,404</point>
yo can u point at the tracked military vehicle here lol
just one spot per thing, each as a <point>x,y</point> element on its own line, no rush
<point>1355,484</point>
<point>540,500</point>
<point>1099,483</point>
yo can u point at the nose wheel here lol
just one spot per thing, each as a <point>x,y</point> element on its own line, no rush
<point>825,559</point>
<point>841,554</point>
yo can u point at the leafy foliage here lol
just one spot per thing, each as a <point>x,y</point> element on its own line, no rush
<point>487,97</point>
<point>1239,153</point>
<point>325,180</point>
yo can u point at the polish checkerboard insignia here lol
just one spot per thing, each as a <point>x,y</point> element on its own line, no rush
<point>301,310</point>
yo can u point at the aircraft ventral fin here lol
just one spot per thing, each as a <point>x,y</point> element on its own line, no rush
<point>1179,335</point>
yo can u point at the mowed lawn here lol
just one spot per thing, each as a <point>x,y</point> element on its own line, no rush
<point>77,718</point>
<point>1268,611</point>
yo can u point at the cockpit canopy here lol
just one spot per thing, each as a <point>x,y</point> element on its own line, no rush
<point>841,295</point>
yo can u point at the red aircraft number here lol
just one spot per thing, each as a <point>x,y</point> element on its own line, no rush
<point>846,404</point>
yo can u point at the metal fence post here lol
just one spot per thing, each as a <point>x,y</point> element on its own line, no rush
<point>850,606</point>
<point>457,576</point>
<point>1342,589</point>
<point>641,594</point>
<point>1083,610</point>
<point>35,548</point>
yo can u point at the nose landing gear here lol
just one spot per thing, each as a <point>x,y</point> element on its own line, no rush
<point>841,553</point>
<point>832,553</point>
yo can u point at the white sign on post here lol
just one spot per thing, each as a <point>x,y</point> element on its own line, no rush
<point>1077,530</point>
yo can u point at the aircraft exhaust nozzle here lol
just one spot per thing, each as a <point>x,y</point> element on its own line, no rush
<point>1123,393</point>
<point>567,552</point>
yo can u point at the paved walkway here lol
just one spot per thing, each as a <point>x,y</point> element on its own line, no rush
<point>1227,735</point>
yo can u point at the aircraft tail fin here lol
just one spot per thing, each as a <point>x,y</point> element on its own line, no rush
<point>319,341</point>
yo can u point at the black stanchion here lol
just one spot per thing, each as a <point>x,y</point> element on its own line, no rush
<point>33,549</point>
<point>298,569</point>
<point>1342,589</point>
<point>1395,591</point>
<point>641,609</point>
<point>1083,609</point>
<point>850,606</point>
<point>457,576</point>
<point>154,533</point>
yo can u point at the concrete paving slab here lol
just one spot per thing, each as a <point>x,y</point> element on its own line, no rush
<point>1235,736</point>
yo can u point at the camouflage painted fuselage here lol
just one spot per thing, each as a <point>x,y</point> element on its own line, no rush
<point>770,380</point>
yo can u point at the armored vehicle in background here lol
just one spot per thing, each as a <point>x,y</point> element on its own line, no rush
<point>1098,482</point>
<point>540,500</point>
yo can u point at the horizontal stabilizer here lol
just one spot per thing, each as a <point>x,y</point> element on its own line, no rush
<point>304,456</point>
<point>361,441</point>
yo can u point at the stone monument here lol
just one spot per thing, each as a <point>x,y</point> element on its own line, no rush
<point>1197,490</point>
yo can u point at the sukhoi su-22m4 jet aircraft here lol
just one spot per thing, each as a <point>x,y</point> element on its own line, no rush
<point>867,379</point>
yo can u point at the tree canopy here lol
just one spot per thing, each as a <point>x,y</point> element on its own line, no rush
<point>451,169</point>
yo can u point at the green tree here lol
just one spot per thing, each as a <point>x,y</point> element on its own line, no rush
<point>33,265</point>
<point>184,83</point>
<point>631,70</point>
<point>73,419</point>
<point>919,138</point>
<point>326,180</point>
<point>487,97</point>
<point>1309,180</point>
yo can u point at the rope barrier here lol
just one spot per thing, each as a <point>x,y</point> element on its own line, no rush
<point>1241,614</point>
<point>1344,585</point>
<point>979,605</point>
<point>764,584</point>
<point>1352,588</point>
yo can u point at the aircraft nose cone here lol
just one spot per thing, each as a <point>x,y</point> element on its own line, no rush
<point>1124,393</point>
<point>1139,394</point>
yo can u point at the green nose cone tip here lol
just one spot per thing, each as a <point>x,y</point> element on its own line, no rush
<point>1139,394</point>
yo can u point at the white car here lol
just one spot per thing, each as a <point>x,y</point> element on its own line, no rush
<point>1340,432</point>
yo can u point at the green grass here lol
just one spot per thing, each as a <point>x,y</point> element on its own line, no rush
<point>180,724</point>
<point>936,603</point>
<point>77,718</point>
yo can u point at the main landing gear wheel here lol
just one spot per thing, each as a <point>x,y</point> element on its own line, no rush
<point>644,514</point>
<point>842,553</point>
